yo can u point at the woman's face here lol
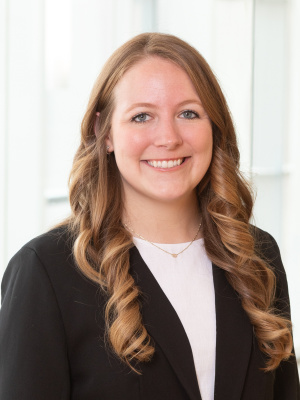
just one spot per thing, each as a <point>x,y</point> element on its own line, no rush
<point>160,132</point>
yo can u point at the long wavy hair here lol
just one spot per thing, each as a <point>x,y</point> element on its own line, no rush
<point>102,244</point>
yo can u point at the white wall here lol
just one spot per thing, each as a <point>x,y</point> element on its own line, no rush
<point>276,132</point>
<point>22,121</point>
<point>291,160</point>
<point>51,52</point>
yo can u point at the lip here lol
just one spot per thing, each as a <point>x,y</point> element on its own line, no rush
<point>175,167</point>
<point>165,159</point>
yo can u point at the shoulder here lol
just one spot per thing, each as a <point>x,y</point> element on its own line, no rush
<point>47,257</point>
<point>264,242</point>
<point>57,241</point>
<point>267,248</point>
<point>33,339</point>
<point>55,244</point>
<point>42,281</point>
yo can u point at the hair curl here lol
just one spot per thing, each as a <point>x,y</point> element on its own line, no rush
<point>101,246</point>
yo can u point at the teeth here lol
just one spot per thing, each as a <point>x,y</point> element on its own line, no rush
<point>166,164</point>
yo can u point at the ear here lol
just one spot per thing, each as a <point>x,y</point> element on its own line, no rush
<point>108,141</point>
<point>109,144</point>
<point>97,124</point>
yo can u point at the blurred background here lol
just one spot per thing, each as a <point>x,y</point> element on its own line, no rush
<point>51,52</point>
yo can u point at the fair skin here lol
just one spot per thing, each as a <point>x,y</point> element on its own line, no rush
<point>162,140</point>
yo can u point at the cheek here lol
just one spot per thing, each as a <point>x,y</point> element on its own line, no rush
<point>204,142</point>
<point>129,143</point>
<point>210,146</point>
<point>205,151</point>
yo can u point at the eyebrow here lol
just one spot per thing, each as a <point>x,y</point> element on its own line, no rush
<point>150,105</point>
<point>135,105</point>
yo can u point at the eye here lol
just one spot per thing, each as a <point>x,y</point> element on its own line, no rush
<point>189,114</point>
<point>140,118</point>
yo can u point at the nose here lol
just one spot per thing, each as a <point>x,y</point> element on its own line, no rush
<point>168,135</point>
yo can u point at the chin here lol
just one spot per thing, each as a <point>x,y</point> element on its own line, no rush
<point>168,197</point>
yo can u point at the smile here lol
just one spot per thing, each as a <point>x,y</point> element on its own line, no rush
<point>165,163</point>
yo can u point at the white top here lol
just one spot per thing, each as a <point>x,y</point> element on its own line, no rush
<point>187,281</point>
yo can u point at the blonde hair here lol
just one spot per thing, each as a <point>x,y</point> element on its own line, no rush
<point>101,246</point>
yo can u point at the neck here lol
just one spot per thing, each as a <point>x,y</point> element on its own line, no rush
<point>163,222</point>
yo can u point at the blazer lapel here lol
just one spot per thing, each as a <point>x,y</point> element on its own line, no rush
<point>164,326</point>
<point>234,333</point>
<point>234,340</point>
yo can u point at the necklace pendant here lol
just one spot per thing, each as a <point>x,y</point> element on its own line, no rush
<point>174,255</point>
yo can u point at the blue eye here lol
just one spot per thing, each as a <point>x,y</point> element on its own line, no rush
<point>189,114</point>
<point>140,118</point>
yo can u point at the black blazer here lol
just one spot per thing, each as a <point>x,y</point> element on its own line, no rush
<point>52,326</point>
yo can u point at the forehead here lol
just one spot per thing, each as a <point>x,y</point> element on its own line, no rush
<point>156,78</point>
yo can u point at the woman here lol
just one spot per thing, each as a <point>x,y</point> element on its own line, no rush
<point>156,287</point>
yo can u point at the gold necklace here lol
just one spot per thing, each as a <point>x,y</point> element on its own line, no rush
<point>165,251</point>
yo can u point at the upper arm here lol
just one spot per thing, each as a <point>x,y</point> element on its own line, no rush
<point>33,355</point>
<point>286,384</point>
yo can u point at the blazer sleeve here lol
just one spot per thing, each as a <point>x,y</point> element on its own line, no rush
<point>286,385</point>
<point>33,352</point>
